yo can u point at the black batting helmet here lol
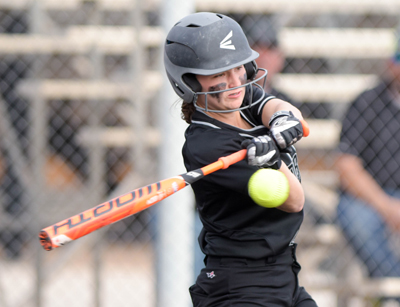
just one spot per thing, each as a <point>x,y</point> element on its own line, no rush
<point>205,44</point>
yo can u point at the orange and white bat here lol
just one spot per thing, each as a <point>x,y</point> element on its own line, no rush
<point>128,204</point>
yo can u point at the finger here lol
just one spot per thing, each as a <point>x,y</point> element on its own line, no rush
<point>259,145</point>
<point>245,143</point>
<point>251,154</point>
<point>266,145</point>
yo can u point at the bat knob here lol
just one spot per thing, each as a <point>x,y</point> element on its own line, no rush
<point>45,240</point>
<point>306,129</point>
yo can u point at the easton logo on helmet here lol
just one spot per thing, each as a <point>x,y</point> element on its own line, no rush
<point>226,43</point>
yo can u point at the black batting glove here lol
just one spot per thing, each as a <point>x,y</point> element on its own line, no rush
<point>262,152</point>
<point>285,129</point>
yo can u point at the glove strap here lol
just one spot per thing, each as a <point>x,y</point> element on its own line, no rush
<point>279,114</point>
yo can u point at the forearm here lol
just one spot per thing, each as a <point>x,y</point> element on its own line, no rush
<point>357,181</point>
<point>275,105</point>
<point>296,198</point>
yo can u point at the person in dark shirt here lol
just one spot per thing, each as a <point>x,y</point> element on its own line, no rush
<point>369,167</point>
<point>250,250</point>
<point>263,38</point>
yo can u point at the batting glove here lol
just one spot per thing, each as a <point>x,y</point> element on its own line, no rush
<point>262,152</point>
<point>285,129</point>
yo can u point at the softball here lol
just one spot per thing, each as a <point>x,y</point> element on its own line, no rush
<point>268,188</point>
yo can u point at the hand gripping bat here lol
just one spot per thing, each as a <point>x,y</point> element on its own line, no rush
<point>130,203</point>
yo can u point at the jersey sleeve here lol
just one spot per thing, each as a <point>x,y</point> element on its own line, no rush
<point>256,109</point>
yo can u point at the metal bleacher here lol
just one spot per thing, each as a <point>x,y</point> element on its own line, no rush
<point>84,46</point>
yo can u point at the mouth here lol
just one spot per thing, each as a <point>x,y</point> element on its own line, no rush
<point>235,94</point>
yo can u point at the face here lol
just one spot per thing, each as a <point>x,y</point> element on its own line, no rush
<point>272,59</point>
<point>228,79</point>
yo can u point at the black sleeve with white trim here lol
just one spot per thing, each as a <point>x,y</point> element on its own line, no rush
<point>255,112</point>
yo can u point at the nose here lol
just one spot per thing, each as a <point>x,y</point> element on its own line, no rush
<point>234,78</point>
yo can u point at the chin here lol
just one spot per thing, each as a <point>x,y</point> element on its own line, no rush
<point>235,106</point>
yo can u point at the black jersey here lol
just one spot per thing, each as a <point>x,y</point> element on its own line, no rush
<point>371,131</point>
<point>233,224</point>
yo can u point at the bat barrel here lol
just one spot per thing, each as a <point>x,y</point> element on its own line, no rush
<point>109,212</point>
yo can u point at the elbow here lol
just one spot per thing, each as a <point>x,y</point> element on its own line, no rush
<point>296,199</point>
<point>299,204</point>
<point>294,203</point>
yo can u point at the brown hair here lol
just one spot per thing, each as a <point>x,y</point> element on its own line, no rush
<point>187,111</point>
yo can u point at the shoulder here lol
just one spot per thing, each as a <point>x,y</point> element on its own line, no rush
<point>369,96</point>
<point>366,105</point>
<point>256,94</point>
<point>203,136</point>
<point>258,101</point>
<point>206,143</point>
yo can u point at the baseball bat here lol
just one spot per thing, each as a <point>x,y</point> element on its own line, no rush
<point>306,128</point>
<point>130,203</point>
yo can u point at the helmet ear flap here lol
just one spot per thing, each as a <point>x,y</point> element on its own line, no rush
<point>251,70</point>
<point>192,82</point>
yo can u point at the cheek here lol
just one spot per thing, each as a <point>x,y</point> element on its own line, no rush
<point>243,79</point>
<point>218,87</point>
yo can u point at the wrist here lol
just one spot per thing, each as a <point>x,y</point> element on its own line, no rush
<point>277,115</point>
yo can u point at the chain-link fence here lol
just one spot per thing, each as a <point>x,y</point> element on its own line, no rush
<point>80,83</point>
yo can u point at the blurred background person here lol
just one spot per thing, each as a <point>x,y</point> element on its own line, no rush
<point>369,169</point>
<point>262,33</point>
